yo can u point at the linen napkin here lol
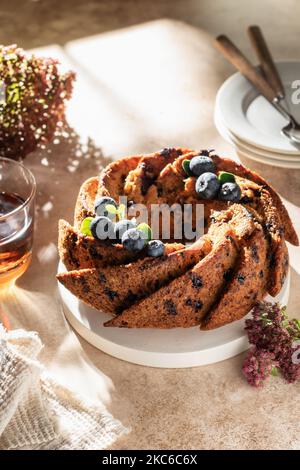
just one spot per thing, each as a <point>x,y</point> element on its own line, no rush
<point>38,412</point>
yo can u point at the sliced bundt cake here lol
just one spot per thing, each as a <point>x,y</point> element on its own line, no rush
<point>113,288</point>
<point>248,258</point>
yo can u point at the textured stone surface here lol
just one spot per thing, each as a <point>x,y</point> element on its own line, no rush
<point>207,407</point>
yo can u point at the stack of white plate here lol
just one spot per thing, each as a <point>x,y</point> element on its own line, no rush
<point>251,124</point>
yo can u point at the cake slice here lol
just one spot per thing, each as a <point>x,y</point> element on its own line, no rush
<point>278,263</point>
<point>149,167</point>
<point>170,182</point>
<point>112,178</point>
<point>260,210</point>
<point>227,164</point>
<point>242,220</point>
<point>79,251</point>
<point>85,201</point>
<point>246,287</point>
<point>109,183</point>
<point>185,300</point>
<point>114,288</point>
<point>278,254</point>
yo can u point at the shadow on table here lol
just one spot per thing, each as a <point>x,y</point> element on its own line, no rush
<point>59,168</point>
<point>33,304</point>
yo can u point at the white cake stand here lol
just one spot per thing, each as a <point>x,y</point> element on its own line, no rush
<point>175,348</point>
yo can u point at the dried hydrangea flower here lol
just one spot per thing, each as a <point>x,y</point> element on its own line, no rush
<point>32,100</point>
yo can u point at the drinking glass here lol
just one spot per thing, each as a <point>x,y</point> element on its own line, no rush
<point>17,195</point>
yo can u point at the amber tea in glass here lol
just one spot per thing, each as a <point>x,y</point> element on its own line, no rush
<point>17,193</point>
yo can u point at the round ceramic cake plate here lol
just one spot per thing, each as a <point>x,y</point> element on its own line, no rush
<point>253,153</point>
<point>250,117</point>
<point>175,348</point>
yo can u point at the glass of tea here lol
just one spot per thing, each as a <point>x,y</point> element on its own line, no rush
<point>17,194</point>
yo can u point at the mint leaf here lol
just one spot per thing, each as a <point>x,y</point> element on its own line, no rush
<point>226,177</point>
<point>85,226</point>
<point>143,227</point>
<point>186,167</point>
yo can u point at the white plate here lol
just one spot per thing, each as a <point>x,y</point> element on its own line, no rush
<point>287,157</point>
<point>250,152</point>
<point>250,117</point>
<point>175,348</point>
<point>267,161</point>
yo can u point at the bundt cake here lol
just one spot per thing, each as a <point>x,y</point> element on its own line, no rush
<point>150,284</point>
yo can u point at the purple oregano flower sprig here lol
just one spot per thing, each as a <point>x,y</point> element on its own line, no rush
<point>276,345</point>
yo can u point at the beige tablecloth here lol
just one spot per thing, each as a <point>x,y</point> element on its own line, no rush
<point>138,90</point>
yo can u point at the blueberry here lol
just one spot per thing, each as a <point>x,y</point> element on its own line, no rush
<point>207,186</point>
<point>230,192</point>
<point>102,228</point>
<point>155,248</point>
<point>100,206</point>
<point>133,240</point>
<point>201,164</point>
<point>121,227</point>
